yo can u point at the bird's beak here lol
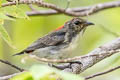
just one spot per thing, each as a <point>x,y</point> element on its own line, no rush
<point>89,23</point>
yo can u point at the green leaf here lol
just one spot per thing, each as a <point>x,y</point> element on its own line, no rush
<point>23,76</point>
<point>43,73</point>
<point>3,16</point>
<point>40,72</point>
<point>15,11</point>
<point>5,36</point>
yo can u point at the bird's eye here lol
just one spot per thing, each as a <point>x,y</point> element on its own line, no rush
<point>77,22</point>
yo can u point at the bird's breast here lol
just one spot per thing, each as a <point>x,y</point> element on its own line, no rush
<point>73,44</point>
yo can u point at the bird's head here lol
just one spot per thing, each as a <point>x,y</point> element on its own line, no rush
<point>77,25</point>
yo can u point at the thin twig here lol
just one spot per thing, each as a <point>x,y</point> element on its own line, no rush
<point>68,4</point>
<point>14,66</point>
<point>31,7</point>
<point>109,31</point>
<point>101,73</point>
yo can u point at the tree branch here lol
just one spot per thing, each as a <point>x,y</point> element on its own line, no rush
<point>14,66</point>
<point>93,57</point>
<point>71,60</point>
<point>12,75</point>
<point>80,11</point>
<point>9,76</point>
<point>102,73</point>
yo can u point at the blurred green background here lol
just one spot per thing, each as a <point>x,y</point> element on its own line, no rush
<point>24,31</point>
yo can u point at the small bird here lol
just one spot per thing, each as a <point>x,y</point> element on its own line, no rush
<point>59,43</point>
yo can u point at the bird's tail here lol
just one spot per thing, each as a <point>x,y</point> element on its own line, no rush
<point>18,54</point>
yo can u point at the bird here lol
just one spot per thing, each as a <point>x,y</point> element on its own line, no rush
<point>59,43</point>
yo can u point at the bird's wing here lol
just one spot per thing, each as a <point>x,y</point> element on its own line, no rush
<point>52,39</point>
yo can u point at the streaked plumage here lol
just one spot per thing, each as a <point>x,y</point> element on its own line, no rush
<point>57,43</point>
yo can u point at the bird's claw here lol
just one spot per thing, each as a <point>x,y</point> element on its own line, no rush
<point>72,62</point>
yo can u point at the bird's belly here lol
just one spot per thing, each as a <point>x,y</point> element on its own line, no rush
<point>49,53</point>
<point>53,52</point>
<point>56,52</point>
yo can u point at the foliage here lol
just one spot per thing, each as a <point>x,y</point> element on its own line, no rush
<point>26,29</point>
<point>13,12</point>
<point>40,72</point>
<point>23,76</point>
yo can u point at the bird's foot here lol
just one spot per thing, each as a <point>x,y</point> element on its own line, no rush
<point>63,66</point>
<point>72,62</point>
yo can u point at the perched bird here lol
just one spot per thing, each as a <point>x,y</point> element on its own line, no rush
<point>59,43</point>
